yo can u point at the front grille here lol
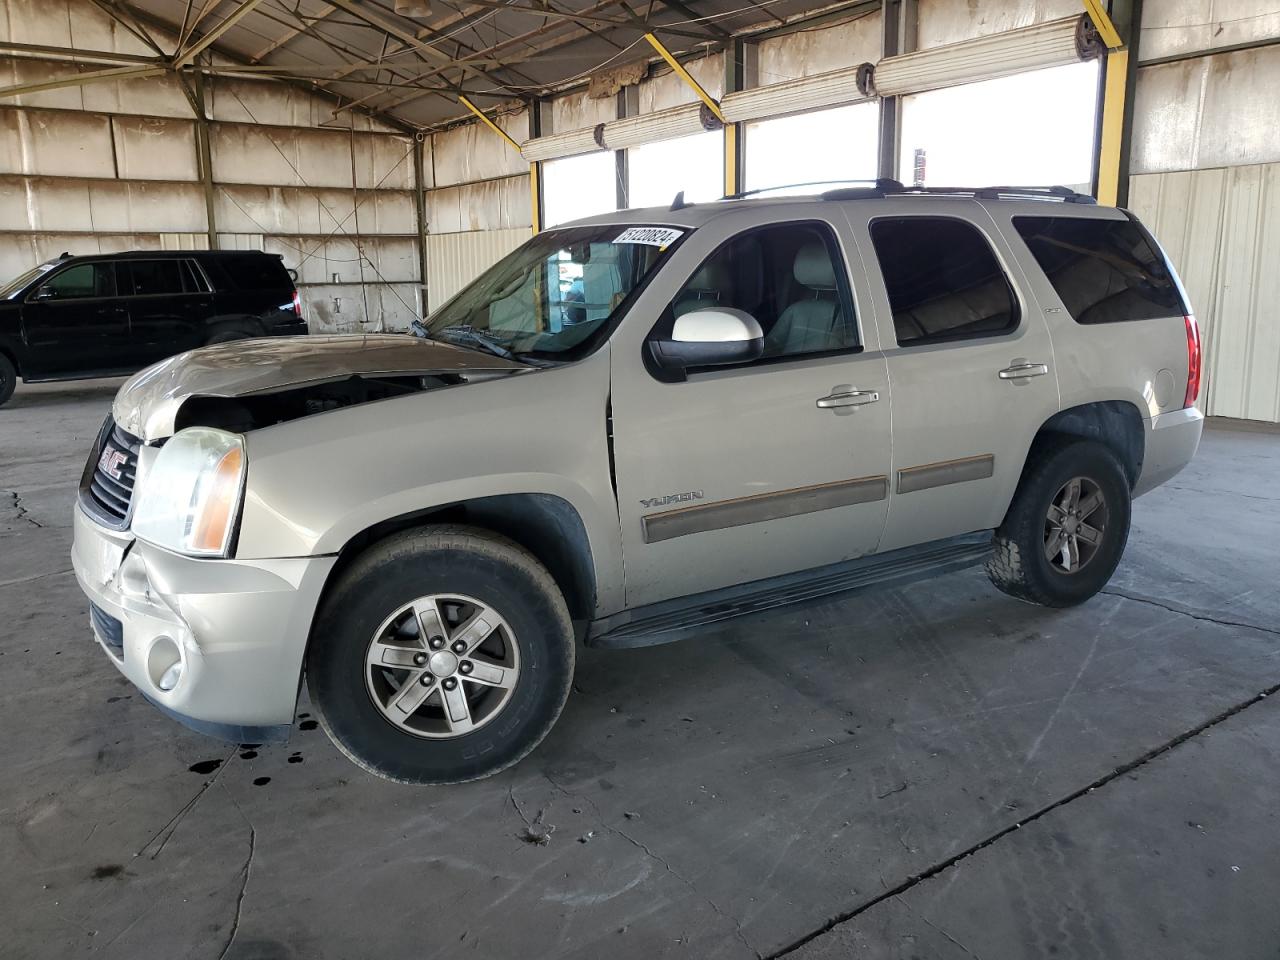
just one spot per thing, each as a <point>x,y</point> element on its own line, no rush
<point>109,630</point>
<point>106,492</point>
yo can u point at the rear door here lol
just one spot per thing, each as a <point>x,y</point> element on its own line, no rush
<point>970,361</point>
<point>75,323</point>
<point>169,303</point>
<point>748,472</point>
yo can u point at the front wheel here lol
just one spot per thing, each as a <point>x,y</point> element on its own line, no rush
<point>441,655</point>
<point>8,379</point>
<point>1066,528</point>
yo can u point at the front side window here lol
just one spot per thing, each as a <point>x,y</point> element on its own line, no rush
<point>943,279</point>
<point>554,297</point>
<point>152,277</point>
<point>82,281</point>
<point>789,277</point>
<point>1102,270</point>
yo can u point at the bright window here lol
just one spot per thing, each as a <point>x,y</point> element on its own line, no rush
<point>577,187</point>
<point>819,147</point>
<point>1031,129</point>
<point>658,171</point>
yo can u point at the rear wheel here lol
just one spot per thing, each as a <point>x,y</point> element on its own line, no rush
<point>229,334</point>
<point>442,655</point>
<point>1066,528</point>
<point>8,379</point>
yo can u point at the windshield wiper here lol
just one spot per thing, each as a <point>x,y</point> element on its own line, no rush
<point>470,336</point>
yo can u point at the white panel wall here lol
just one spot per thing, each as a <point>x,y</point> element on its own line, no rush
<point>1221,228</point>
<point>455,259</point>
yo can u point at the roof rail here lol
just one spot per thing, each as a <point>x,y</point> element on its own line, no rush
<point>873,184</point>
<point>884,188</point>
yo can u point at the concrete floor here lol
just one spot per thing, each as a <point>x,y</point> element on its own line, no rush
<point>932,772</point>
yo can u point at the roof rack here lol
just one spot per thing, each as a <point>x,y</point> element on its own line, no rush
<point>885,188</point>
<point>874,184</point>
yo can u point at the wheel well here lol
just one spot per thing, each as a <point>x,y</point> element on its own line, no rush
<point>12,357</point>
<point>1116,424</point>
<point>547,526</point>
<point>245,324</point>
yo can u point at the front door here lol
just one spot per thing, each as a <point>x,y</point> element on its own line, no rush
<point>75,324</point>
<point>971,364</point>
<point>741,473</point>
<point>168,308</point>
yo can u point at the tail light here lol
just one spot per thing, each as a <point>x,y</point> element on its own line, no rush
<point>297,305</point>
<point>1193,362</point>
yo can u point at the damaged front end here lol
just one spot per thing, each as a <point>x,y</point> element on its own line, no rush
<point>246,385</point>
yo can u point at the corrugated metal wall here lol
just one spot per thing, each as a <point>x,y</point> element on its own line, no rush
<point>114,166</point>
<point>455,259</point>
<point>1206,165</point>
<point>1221,228</point>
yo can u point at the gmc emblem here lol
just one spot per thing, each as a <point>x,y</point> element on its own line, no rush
<point>111,461</point>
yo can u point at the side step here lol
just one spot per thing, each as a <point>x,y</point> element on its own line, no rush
<point>683,617</point>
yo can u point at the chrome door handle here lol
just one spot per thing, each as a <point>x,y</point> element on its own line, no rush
<point>1022,368</point>
<point>849,398</point>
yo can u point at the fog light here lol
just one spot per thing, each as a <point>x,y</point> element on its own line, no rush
<point>169,679</point>
<point>164,664</point>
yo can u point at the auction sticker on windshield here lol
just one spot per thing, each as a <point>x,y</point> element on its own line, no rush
<point>652,236</point>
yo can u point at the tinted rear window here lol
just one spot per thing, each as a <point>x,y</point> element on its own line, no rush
<point>943,279</point>
<point>1104,271</point>
<point>250,272</point>
<point>157,277</point>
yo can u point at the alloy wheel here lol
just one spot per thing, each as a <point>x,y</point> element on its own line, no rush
<point>1075,525</point>
<point>442,666</point>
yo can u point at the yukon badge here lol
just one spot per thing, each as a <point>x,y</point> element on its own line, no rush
<point>673,498</point>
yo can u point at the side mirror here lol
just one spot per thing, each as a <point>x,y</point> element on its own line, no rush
<point>710,338</point>
<point>44,293</point>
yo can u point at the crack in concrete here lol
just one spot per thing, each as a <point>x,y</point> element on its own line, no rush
<point>33,577</point>
<point>644,848</point>
<point>1187,613</point>
<point>176,820</point>
<point>20,512</point>
<point>244,886</point>
<point>933,871</point>
<point>929,923</point>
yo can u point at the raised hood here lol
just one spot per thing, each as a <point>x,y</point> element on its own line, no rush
<point>148,403</point>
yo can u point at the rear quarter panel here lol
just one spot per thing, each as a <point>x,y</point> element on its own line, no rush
<point>1143,362</point>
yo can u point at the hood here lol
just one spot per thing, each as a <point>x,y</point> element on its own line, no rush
<point>148,403</point>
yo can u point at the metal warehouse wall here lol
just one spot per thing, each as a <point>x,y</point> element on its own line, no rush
<point>115,166</point>
<point>1206,178</point>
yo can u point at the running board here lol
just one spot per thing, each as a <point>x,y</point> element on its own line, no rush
<point>684,617</point>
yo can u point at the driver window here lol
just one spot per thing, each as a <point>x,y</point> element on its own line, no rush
<point>790,277</point>
<point>80,282</point>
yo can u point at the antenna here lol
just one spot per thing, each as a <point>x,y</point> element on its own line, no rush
<point>678,203</point>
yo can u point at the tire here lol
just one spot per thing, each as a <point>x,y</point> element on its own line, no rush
<point>8,379</point>
<point>380,609</point>
<point>1037,525</point>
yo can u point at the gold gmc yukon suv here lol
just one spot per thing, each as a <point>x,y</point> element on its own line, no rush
<point>633,429</point>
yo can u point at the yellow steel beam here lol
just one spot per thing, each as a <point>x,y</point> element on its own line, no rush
<point>684,75</point>
<point>489,123</point>
<point>77,79</point>
<point>1109,143</point>
<point>731,185</point>
<point>1102,20</point>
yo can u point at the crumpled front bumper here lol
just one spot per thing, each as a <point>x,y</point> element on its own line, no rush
<point>238,628</point>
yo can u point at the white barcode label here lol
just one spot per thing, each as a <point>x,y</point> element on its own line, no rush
<point>651,236</point>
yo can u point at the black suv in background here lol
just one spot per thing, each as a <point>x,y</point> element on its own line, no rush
<point>96,316</point>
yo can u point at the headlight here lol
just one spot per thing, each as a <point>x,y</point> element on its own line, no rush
<point>190,498</point>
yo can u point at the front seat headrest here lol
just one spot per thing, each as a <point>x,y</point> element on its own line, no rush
<point>710,278</point>
<point>813,267</point>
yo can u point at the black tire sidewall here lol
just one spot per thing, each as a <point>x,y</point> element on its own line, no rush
<point>1080,459</point>
<point>8,379</point>
<point>344,628</point>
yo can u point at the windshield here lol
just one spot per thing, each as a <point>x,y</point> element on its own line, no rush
<point>554,297</point>
<point>20,282</point>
